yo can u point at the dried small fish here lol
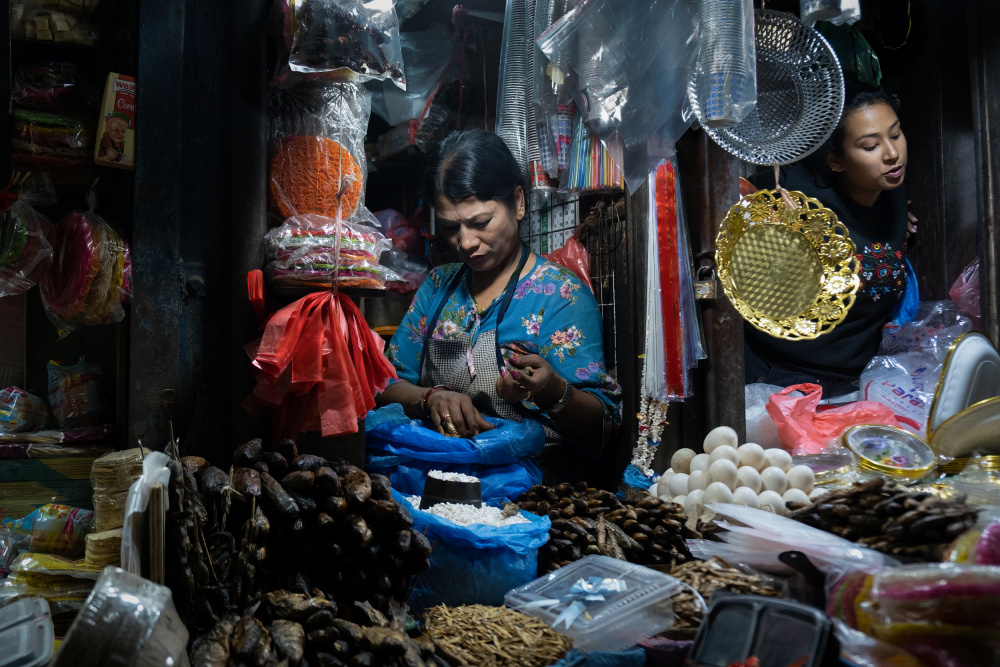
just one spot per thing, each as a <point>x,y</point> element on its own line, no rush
<point>289,640</point>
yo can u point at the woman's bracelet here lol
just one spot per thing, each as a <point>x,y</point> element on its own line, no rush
<point>427,394</point>
<point>563,401</point>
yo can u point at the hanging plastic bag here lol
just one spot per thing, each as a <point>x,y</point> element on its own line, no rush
<point>344,39</point>
<point>856,55</point>
<point>91,278</point>
<point>965,292</point>
<point>25,249</point>
<point>57,87</point>
<point>573,256</point>
<point>314,251</point>
<point>837,12</point>
<point>21,411</point>
<point>475,564</point>
<point>49,140</point>
<point>907,307</point>
<point>76,394</point>
<point>803,430</point>
<point>318,150</point>
<point>426,54</point>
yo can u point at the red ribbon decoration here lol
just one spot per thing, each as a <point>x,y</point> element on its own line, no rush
<point>666,232</point>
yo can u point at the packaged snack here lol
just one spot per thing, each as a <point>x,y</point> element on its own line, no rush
<point>57,87</point>
<point>76,394</point>
<point>116,123</point>
<point>31,21</point>
<point>56,529</point>
<point>49,140</point>
<point>21,411</point>
<point>25,249</point>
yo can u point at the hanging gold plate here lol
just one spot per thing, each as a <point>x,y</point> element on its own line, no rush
<point>790,273</point>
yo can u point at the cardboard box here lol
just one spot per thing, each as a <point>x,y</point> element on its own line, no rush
<point>116,125</point>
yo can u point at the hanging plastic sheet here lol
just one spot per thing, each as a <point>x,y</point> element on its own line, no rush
<point>626,65</point>
<point>426,54</point>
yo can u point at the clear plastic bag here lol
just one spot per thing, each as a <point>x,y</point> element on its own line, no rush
<point>48,140</point>
<point>965,292</point>
<point>25,249</point>
<point>426,54</point>
<point>318,150</point>
<point>626,65</point>
<point>59,530</point>
<point>760,427</point>
<point>52,86</point>
<point>91,278</point>
<point>76,394</point>
<point>346,38</point>
<point>154,471</point>
<point>904,375</point>
<point>21,411</point>
<point>725,77</point>
<point>309,250</point>
<point>837,12</point>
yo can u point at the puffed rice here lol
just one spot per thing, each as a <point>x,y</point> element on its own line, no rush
<point>467,515</point>
<point>452,476</point>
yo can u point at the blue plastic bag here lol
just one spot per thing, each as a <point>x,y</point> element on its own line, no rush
<point>496,482</point>
<point>475,564</point>
<point>906,308</point>
<point>633,478</point>
<point>389,431</point>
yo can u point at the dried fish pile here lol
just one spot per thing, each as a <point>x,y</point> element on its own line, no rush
<point>587,521</point>
<point>707,577</point>
<point>477,635</point>
<point>293,629</point>
<point>298,534</point>
<point>892,520</point>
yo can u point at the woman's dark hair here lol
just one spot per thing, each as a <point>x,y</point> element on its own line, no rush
<point>473,163</point>
<point>857,95</point>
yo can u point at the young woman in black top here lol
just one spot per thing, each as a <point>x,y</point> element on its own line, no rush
<point>859,175</point>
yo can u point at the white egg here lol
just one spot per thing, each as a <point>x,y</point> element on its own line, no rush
<point>723,471</point>
<point>749,477</point>
<point>681,460</point>
<point>779,458</point>
<point>698,481</point>
<point>679,484</point>
<point>817,493</point>
<point>680,500</point>
<point>654,488</point>
<point>663,485</point>
<point>717,492</point>
<point>694,503</point>
<point>721,435</point>
<point>701,462</point>
<point>795,496</point>
<point>774,479</point>
<point>772,502</point>
<point>744,496</point>
<point>801,477</point>
<point>725,452</point>
<point>752,454</point>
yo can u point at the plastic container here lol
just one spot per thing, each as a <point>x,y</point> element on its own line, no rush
<point>26,633</point>
<point>437,490</point>
<point>643,609</point>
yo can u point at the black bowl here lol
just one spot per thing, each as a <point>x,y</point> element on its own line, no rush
<point>448,491</point>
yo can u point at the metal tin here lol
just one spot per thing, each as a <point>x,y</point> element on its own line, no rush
<point>889,451</point>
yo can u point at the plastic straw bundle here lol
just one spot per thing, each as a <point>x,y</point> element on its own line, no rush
<point>590,163</point>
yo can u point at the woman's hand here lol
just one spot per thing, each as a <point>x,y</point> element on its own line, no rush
<point>911,222</point>
<point>531,377</point>
<point>454,409</point>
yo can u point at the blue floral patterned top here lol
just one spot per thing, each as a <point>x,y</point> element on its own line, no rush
<point>552,314</point>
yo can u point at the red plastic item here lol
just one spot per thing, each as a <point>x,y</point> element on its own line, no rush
<point>965,292</point>
<point>666,227</point>
<point>575,258</point>
<point>803,429</point>
<point>320,366</point>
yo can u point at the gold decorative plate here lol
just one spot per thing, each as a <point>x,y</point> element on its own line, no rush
<point>976,428</point>
<point>790,273</point>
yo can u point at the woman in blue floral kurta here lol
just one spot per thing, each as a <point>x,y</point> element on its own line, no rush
<point>505,333</point>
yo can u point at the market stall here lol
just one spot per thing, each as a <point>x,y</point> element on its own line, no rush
<point>491,407</point>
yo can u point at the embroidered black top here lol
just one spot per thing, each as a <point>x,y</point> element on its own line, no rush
<point>879,235</point>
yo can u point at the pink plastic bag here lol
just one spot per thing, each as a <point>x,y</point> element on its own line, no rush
<point>803,430</point>
<point>573,256</point>
<point>965,292</point>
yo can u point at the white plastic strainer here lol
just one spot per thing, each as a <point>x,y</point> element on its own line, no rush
<point>800,94</point>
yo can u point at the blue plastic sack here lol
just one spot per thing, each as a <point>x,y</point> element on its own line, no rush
<point>634,479</point>
<point>576,658</point>
<point>475,564</point>
<point>906,308</point>
<point>389,432</point>
<point>496,482</point>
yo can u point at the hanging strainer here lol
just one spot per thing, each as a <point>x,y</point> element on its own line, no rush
<point>800,94</point>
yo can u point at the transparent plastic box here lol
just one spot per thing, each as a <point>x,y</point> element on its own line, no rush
<point>643,609</point>
<point>26,633</point>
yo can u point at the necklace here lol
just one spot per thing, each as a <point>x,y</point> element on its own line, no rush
<point>652,419</point>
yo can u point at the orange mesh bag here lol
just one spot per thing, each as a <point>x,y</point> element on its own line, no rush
<point>312,174</point>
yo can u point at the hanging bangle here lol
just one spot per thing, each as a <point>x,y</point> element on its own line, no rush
<point>427,394</point>
<point>563,401</point>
